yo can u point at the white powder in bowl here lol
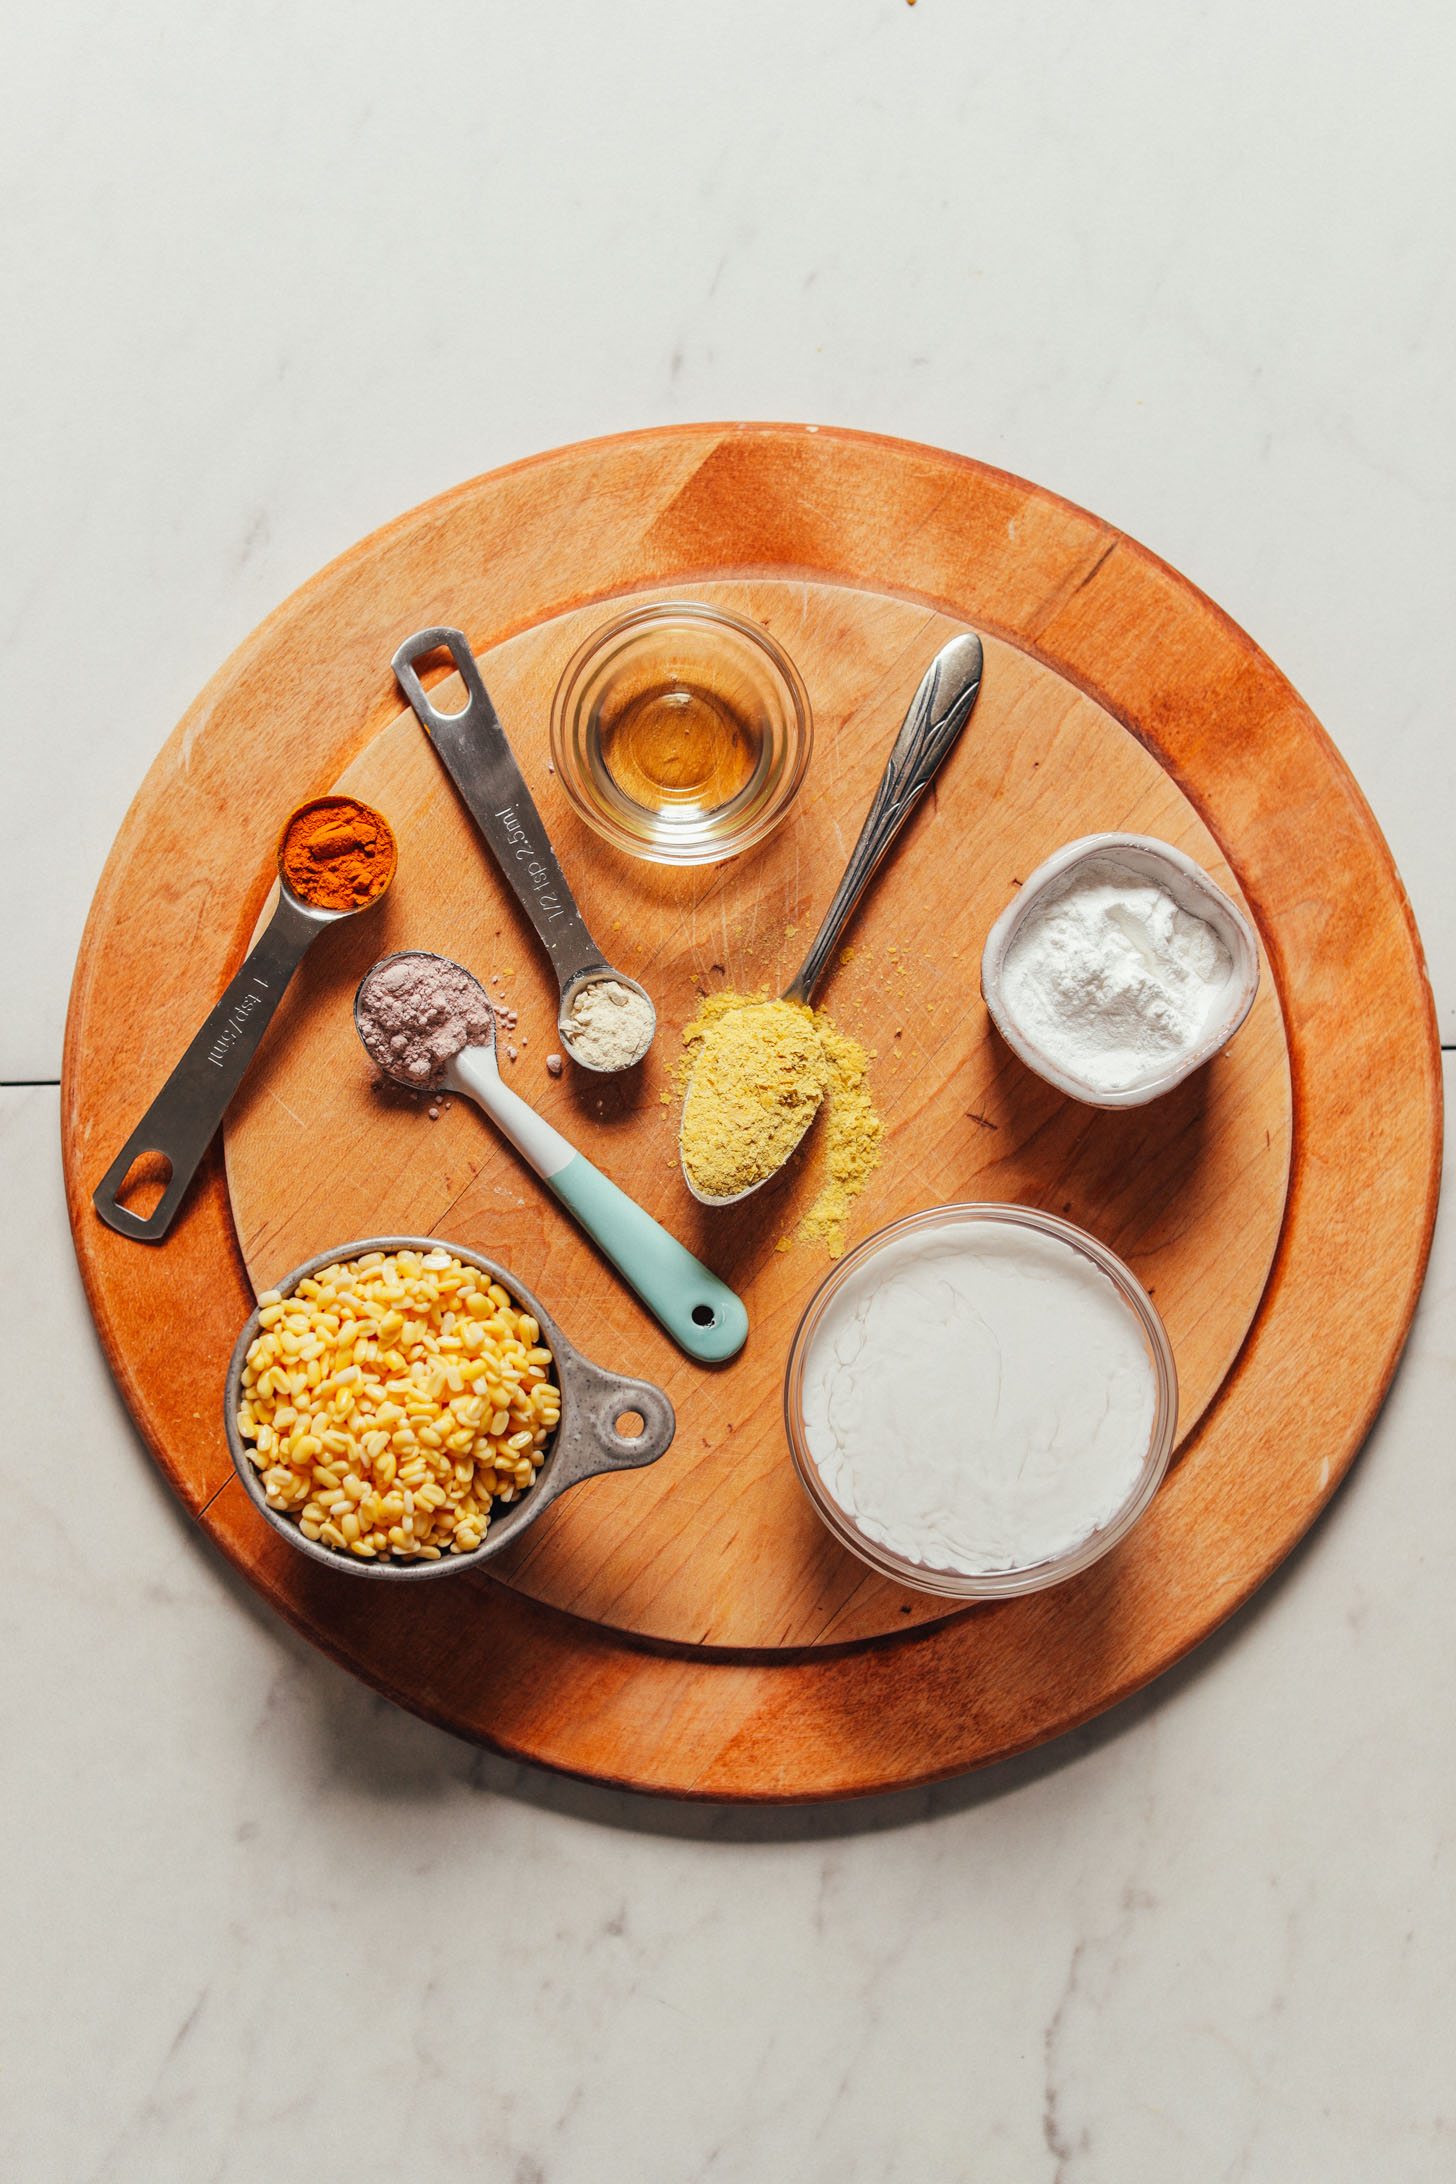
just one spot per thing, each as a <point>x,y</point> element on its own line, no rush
<point>1112,979</point>
<point>979,1397</point>
<point>609,1026</point>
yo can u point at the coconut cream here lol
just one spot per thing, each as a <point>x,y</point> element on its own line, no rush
<point>979,1397</point>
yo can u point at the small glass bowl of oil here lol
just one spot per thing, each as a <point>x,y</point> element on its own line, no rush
<point>681,732</point>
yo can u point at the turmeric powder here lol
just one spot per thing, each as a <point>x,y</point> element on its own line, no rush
<point>337,853</point>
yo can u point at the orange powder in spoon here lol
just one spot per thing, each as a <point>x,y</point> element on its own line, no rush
<point>337,853</point>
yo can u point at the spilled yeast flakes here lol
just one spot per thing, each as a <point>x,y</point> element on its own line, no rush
<point>755,1065</point>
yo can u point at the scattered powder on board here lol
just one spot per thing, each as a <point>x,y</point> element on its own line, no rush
<point>1112,979</point>
<point>416,1013</point>
<point>1034,1398</point>
<point>609,1026</point>
<point>852,1139</point>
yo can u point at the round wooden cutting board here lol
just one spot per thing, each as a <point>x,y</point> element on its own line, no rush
<point>691,1628</point>
<point>717,1544</point>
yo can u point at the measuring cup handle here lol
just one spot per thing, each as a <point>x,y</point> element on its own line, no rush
<point>182,1118</point>
<point>591,1443</point>
<point>473,749</point>
<point>478,713</point>
<point>938,712</point>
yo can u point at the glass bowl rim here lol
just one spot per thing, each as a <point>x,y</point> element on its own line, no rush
<point>1031,1577</point>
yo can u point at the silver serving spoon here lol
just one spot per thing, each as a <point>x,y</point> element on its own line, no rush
<point>181,1120</point>
<point>938,712</point>
<point>701,1313</point>
<point>473,749</point>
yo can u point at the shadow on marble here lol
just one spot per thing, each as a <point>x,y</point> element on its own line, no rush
<point>374,1748</point>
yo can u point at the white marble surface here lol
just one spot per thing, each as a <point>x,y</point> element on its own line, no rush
<point>260,1924</point>
<point>276,273</point>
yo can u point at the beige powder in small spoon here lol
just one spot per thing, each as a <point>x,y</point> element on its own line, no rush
<point>609,1026</point>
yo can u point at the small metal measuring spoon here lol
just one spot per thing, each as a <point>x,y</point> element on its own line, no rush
<point>474,752</point>
<point>183,1117</point>
<point>938,712</point>
<point>701,1313</point>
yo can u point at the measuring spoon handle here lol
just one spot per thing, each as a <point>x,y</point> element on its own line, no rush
<point>474,751</point>
<point>938,712</point>
<point>182,1118</point>
<point>701,1313</point>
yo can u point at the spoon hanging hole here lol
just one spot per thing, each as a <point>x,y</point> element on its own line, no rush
<point>144,1185</point>
<point>436,670</point>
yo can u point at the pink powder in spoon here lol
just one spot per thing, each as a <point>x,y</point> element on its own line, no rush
<point>415,1014</point>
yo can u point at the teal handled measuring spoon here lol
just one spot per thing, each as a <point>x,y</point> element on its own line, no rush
<point>701,1313</point>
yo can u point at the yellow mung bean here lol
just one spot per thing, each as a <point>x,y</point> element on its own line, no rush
<point>420,1438</point>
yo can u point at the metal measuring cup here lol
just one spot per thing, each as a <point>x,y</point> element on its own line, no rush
<point>474,752</point>
<point>181,1120</point>
<point>588,1440</point>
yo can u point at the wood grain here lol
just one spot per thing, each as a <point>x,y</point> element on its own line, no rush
<point>506,553</point>
<point>716,1545</point>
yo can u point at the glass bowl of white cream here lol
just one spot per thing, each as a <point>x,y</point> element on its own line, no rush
<point>980,1401</point>
<point>1119,969</point>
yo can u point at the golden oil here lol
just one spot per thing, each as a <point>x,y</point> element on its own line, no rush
<point>680,732</point>
<point>681,744</point>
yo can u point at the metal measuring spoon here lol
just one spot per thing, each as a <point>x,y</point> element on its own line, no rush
<point>701,1313</point>
<point>182,1118</point>
<point>938,712</point>
<point>474,752</point>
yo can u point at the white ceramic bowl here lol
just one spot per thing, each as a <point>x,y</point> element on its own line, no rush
<point>1193,890</point>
